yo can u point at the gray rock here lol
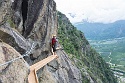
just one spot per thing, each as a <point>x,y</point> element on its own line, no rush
<point>33,21</point>
<point>62,70</point>
<point>15,72</point>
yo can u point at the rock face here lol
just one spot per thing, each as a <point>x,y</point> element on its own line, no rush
<point>34,20</point>
<point>61,70</point>
<point>23,22</point>
<point>15,72</point>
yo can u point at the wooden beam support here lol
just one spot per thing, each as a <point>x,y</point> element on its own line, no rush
<point>32,78</point>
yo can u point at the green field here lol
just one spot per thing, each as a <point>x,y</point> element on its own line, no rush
<point>112,51</point>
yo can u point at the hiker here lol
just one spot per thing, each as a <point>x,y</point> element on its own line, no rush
<point>54,43</point>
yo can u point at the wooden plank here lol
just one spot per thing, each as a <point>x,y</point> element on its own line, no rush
<point>32,77</point>
<point>43,62</point>
<point>36,76</point>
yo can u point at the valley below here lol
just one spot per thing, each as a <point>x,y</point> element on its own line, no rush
<point>113,52</point>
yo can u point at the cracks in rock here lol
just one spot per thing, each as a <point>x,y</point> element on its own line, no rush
<point>32,58</point>
<point>52,67</point>
<point>1,81</point>
<point>34,8</point>
<point>5,50</point>
<point>63,67</point>
<point>24,9</point>
<point>5,69</point>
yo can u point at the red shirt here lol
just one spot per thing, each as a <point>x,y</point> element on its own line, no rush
<point>53,41</point>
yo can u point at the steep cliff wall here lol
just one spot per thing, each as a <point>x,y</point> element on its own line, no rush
<point>29,21</point>
<point>24,22</point>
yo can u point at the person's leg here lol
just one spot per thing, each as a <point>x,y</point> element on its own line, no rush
<point>54,49</point>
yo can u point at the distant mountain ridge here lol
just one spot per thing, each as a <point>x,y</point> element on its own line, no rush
<point>102,31</point>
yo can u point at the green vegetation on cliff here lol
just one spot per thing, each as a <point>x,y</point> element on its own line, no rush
<point>92,66</point>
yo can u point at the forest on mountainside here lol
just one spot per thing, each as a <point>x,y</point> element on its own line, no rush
<point>93,67</point>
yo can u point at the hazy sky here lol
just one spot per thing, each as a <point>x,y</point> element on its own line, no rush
<point>105,11</point>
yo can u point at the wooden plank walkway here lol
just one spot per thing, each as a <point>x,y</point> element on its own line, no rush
<point>32,78</point>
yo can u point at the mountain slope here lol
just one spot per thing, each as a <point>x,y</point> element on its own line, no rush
<point>20,27</point>
<point>93,68</point>
<point>102,31</point>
